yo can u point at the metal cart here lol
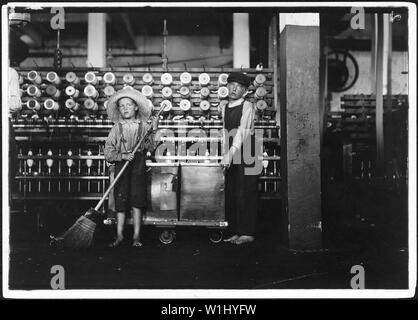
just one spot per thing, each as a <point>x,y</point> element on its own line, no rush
<point>185,194</point>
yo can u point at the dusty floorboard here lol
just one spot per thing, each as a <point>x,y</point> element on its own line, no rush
<point>373,235</point>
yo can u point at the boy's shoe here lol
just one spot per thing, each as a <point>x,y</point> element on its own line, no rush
<point>136,243</point>
<point>232,239</point>
<point>116,243</point>
<point>244,239</point>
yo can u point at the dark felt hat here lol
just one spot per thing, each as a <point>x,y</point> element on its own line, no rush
<point>240,78</point>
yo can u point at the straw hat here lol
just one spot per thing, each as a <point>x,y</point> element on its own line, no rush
<point>144,107</point>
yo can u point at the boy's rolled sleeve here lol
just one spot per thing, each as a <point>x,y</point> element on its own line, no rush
<point>246,126</point>
<point>112,151</point>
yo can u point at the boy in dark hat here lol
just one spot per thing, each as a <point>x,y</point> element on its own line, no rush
<point>129,110</point>
<point>241,190</point>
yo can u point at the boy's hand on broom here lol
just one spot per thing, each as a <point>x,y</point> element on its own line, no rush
<point>128,156</point>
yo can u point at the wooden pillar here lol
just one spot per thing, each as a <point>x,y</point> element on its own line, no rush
<point>274,60</point>
<point>300,133</point>
<point>379,98</point>
<point>96,40</point>
<point>241,40</point>
<point>373,54</point>
<point>387,44</point>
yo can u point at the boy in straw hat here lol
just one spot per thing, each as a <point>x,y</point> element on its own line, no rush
<point>129,110</point>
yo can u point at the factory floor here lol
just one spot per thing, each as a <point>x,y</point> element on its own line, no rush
<point>372,233</point>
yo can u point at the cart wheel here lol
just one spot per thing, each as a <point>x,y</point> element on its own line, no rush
<point>215,236</point>
<point>167,236</point>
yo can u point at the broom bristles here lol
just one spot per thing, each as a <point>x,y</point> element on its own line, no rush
<point>79,235</point>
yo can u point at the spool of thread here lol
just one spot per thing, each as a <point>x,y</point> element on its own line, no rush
<point>53,92</point>
<point>265,161</point>
<point>90,77</point>
<point>49,161</point>
<point>33,104</point>
<point>129,79</point>
<point>53,77</point>
<point>166,105</point>
<point>259,80</point>
<point>185,78</point>
<point>223,79</point>
<point>72,78</point>
<point>147,78</point>
<point>147,91</point>
<point>109,78</point>
<point>33,91</point>
<point>185,105</point>
<point>34,77</point>
<point>71,105</point>
<point>204,92</point>
<point>204,79</point>
<point>89,162</point>
<point>166,79</point>
<point>184,92</point>
<point>90,91</point>
<point>109,91</point>
<point>204,105</point>
<point>260,92</point>
<point>30,161</point>
<point>105,104</point>
<point>261,105</point>
<point>90,105</point>
<point>72,92</point>
<point>70,161</point>
<point>223,92</point>
<point>167,92</point>
<point>51,105</point>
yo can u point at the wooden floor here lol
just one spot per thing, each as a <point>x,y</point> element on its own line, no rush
<point>370,230</point>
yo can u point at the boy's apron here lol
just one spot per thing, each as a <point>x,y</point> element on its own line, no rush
<point>131,188</point>
<point>241,191</point>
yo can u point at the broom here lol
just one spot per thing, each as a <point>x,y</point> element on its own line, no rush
<point>80,234</point>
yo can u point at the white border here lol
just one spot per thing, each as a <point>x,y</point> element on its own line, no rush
<point>219,294</point>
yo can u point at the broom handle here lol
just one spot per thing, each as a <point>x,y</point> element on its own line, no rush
<point>97,207</point>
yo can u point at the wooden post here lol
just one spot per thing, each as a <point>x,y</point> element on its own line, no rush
<point>373,54</point>
<point>96,40</point>
<point>379,98</point>
<point>275,57</point>
<point>388,108</point>
<point>300,133</point>
<point>241,40</point>
<point>323,87</point>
